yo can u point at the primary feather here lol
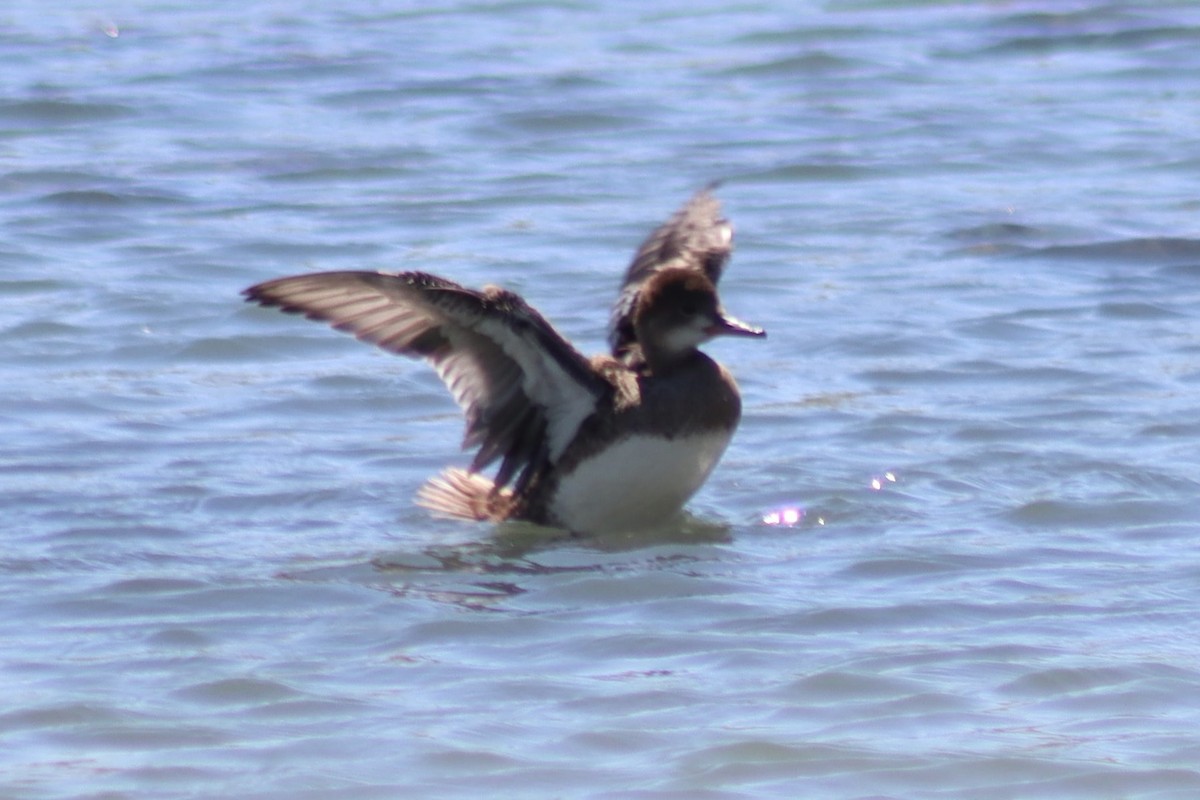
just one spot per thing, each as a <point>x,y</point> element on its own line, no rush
<point>523,388</point>
<point>696,238</point>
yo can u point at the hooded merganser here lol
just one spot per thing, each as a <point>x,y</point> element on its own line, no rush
<point>591,445</point>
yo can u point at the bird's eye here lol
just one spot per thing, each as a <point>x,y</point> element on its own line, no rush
<point>689,309</point>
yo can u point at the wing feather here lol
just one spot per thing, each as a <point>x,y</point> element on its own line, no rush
<point>523,388</point>
<point>695,237</point>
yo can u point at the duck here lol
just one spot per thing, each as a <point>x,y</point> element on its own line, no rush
<point>592,445</point>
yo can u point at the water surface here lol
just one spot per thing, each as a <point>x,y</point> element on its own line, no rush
<point>970,229</point>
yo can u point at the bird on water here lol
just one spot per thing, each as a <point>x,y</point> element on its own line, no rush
<point>615,442</point>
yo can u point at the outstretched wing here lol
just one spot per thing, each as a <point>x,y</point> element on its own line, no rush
<point>695,237</point>
<point>524,389</point>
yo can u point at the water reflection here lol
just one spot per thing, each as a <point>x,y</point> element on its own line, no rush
<point>483,574</point>
<point>795,514</point>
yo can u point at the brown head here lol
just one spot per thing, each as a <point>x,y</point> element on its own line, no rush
<point>677,311</point>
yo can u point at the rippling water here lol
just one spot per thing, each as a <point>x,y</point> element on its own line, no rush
<point>970,228</point>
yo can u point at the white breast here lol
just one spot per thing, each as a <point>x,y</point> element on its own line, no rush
<point>636,483</point>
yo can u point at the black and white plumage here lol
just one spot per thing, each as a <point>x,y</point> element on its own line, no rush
<point>523,388</point>
<point>584,444</point>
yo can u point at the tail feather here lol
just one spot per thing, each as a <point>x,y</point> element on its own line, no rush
<point>459,494</point>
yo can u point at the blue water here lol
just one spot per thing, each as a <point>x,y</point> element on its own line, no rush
<point>949,554</point>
